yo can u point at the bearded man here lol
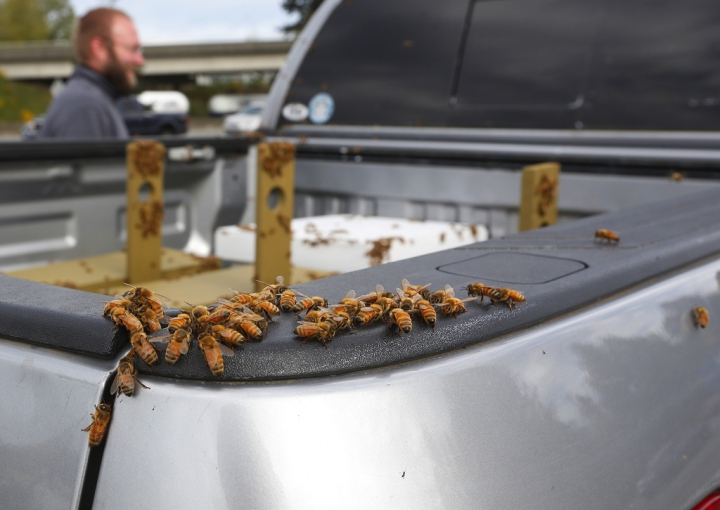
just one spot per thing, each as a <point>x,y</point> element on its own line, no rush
<point>108,49</point>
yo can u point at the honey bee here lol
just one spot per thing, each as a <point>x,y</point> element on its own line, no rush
<point>319,315</point>
<point>182,321</point>
<point>373,297</point>
<point>426,310</point>
<point>607,235</point>
<point>368,314</point>
<point>287,300</point>
<point>242,298</point>
<point>99,425</point>
<point>116,303</point>
<point>352,305</point>
<point>440,295</point>
<point>214,352</point>
<point>266,307</point>
<point>323,331</point>
<point>342,320</point>
<point>701,317</point>
<point>126,376</point>
<point>219,315</point>
<point>453,306</point>
<point>150,320</point>
<point>405,301</point>
<point>178,342</point>
<point>229,336</point>
<point>501,294</point>
<point>143,348</point>
<point>309,303</point>
<point>276,289</point>
<point>411,290</point>
<point>121,316</point>
<point>402,319</point>
<point>249,324</point>
<point>475,289</point>
<point>141,296</point>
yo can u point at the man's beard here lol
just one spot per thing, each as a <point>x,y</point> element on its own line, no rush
<point>118,75</point>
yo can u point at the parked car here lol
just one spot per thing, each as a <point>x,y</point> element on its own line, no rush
<point>139,119</point>
<point>142,120</point>
<point>247,119</point>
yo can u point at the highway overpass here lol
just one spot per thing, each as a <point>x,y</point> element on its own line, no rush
<point>50,60</point>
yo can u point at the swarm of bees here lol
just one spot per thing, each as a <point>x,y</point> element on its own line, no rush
<point>322,322</point>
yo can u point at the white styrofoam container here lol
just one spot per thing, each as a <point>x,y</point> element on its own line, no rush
<point>348,242</point>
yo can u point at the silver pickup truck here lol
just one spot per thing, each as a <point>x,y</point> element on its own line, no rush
<point>599,391</point>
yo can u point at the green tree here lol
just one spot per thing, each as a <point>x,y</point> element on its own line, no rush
<point>35,20</point>
<point>303,7</point>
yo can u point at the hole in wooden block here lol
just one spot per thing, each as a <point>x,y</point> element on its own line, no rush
<point>275,198</point>
<point>145,192</point>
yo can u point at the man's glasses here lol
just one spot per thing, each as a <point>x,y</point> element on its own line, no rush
<point>138,50</point>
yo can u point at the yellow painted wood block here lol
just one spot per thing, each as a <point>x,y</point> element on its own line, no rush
<point>274,209</point>
<point>539,196</point>
<point>145,166</point>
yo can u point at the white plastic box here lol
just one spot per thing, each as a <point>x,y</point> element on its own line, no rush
<point>345,242</point>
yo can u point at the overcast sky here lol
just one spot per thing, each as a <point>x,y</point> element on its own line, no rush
<point>179,21</point>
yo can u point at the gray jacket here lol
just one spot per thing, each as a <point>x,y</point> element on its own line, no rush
<point>85,109</point>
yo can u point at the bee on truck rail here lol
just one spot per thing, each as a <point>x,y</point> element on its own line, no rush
<point>126,377</point>
<point>99,425</point>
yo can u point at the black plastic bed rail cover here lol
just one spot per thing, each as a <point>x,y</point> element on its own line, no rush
<point>559,269</point>
<point>37,150</point>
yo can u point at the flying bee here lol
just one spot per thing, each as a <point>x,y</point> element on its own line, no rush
<point>368,314</point>
<point>426,310</point>
<point>214,352</point>
<point>126,376</point>
<point>287,300</point>
<point>607,235</point>
<point>99,425</point>
<point>373,297</point>
<point>229,336</point>
<point>143,348</point>
<point>404,300</point>
<point>475,289</point>
<point>411,290</point>
<point>323,331</point>
<point>509,296</point>
<point>701,317</point>
<point>276,289</point>
<point>121,316</point>
<point>440,295</point>
<point>182,321</point>
<point>309,303</point>
<point>352,305</point>
<point>453,306</point>
<point>402,319</point>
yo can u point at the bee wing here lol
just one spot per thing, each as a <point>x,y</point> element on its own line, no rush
<point>420,289</point>
<point>160,339</point>
<point>379,290</point>
<point>115,383</point>
<point>467,299</point>
<point>405,283</point>
<point>225,350</point>
<point>416,298</point>
<point>227,302</point>
<point>160,299</point>
<point>350,295</point>
<point>264,283</point>
<point>400,293</point>
<point>185,347</point>
<point>280,280</point>
<point>297,292</point>
<point>367,309</point>
<point>449,290</point>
